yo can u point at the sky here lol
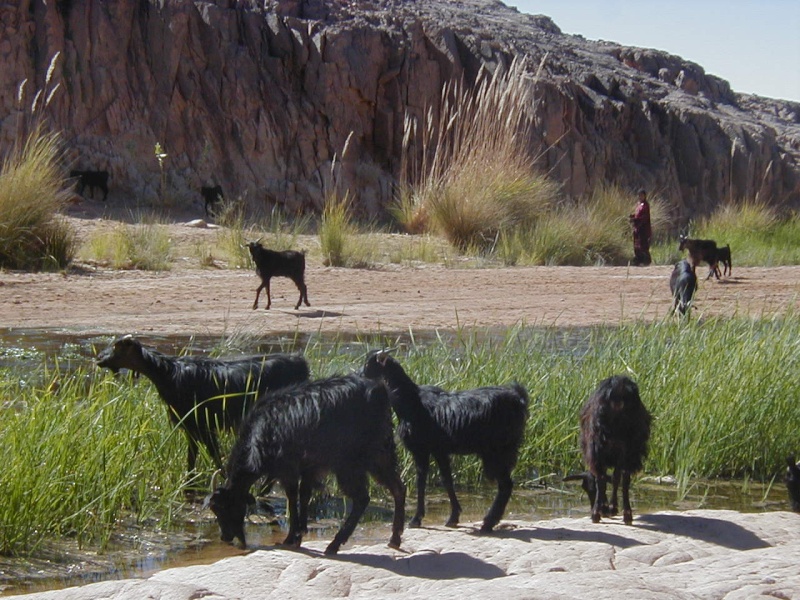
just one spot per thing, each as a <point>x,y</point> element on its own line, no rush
<point>753,44</point>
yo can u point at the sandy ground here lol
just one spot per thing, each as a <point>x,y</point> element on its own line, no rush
<point>189,299</point>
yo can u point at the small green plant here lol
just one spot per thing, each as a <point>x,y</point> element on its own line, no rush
<point>336,232</point>
<point>144,246</point>
<point>161,156</point>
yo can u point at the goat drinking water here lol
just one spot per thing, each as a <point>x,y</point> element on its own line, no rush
<point>615,429</point>
<point>487,421</point>
<point>341,425</point>
<point>271,263</point>
<point>205,394</point>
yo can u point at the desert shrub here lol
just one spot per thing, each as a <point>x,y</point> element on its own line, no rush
<point>337,232</point>
<point>143,246</point>
<point>467,171</point>
<point>33,190</point>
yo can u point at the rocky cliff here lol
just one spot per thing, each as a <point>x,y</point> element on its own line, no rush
<point>261,96</point>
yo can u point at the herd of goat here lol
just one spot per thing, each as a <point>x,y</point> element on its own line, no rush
<point>293,430</point>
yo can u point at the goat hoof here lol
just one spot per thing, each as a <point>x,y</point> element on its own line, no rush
<point>627,517</point>
<point>395,542</point>
<point>332,549</point>
<point>595,517</point>
<point>451,523</point>
<point>486,528</point>
<point>415,523</point>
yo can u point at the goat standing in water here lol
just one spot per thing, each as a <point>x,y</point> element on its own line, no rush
<point>615,429</point>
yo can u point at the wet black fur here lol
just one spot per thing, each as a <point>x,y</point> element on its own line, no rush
<point>341,425</point>
<point>204,395</point>
<point>487,421</point>
<point>615,430</point>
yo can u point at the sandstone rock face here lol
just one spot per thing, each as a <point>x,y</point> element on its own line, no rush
<point>282,100</point>
<point>687,555</point>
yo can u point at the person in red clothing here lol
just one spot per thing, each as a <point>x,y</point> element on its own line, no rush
<point>642,233</point>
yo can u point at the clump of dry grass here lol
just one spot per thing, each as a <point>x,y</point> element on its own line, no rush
<point>467,171</point>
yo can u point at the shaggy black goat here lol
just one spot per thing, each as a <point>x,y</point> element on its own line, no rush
<point>701,251</point>
<point>211,195</point>
<point>204,395</point>
<point>488,421</point>
<point>724,256</point>
<point>682,284</point>
<point>615,429</point>
<point>94,179</point>
<point>341,425</point>
<point>271,263</point>
<point>793,482</point>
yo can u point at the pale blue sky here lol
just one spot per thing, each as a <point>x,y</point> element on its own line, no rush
<point>754,44</point>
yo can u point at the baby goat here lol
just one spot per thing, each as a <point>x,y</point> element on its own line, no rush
<point>204,395</point>
<point>682,284</point>
<point>793,483</point>
<point>615,429</point>
<point>701,251</point>
<point>488,421</point>
<point>271,263</point>
<point>341,425</point>
<point>724,256</point>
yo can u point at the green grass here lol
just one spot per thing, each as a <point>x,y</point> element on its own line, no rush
<point>33,190</point>
<point>723,394</point>
<point>143,246</point>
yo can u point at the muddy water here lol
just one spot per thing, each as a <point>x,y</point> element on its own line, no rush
<point>138,552</point>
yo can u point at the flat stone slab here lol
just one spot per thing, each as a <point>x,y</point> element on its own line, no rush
<point>692,554</point>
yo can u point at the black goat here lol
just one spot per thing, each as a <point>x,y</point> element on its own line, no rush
<point>204,395</point>
<point>793,482</point>
<point>724,257</point>
<point>487,421</point>
<point>272,263</point>
<point>682,284</point>
<point>341,425</point>
<point>93,179</point>
<point>615,429</point>
<point>211,196</point>
<point>701,251</point>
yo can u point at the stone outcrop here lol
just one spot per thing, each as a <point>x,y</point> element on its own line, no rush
<point>686,555</point>
<point>278,101</point>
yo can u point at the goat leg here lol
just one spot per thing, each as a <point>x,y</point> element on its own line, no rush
<point>447,482</point>
<point>492,518</point>
<point>600,500</point>
<point>258,293</point>
<point>612,509</point>
<point>295,536</point>
<point>355,486</point>
<point>627,512</point>
<point>306,487</point>
<point>422,478</point>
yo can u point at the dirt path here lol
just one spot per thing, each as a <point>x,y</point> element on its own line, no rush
<point>191,300</point>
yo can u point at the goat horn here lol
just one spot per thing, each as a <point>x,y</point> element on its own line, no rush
<point>214,479</point>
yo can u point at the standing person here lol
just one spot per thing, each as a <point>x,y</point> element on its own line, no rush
<point>642,233</point>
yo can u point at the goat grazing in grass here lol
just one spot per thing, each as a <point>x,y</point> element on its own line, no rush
<point>341,425</point>
<point>286,263</point>
<point>724,257</point>
<point>93,179</point>
<point>615,429</point>
<point>682,284</point>
<point>204,395</point>
<point>793,483</point>
<point>211,196</point>
<point>701,251</point>
<point>487,421</point>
